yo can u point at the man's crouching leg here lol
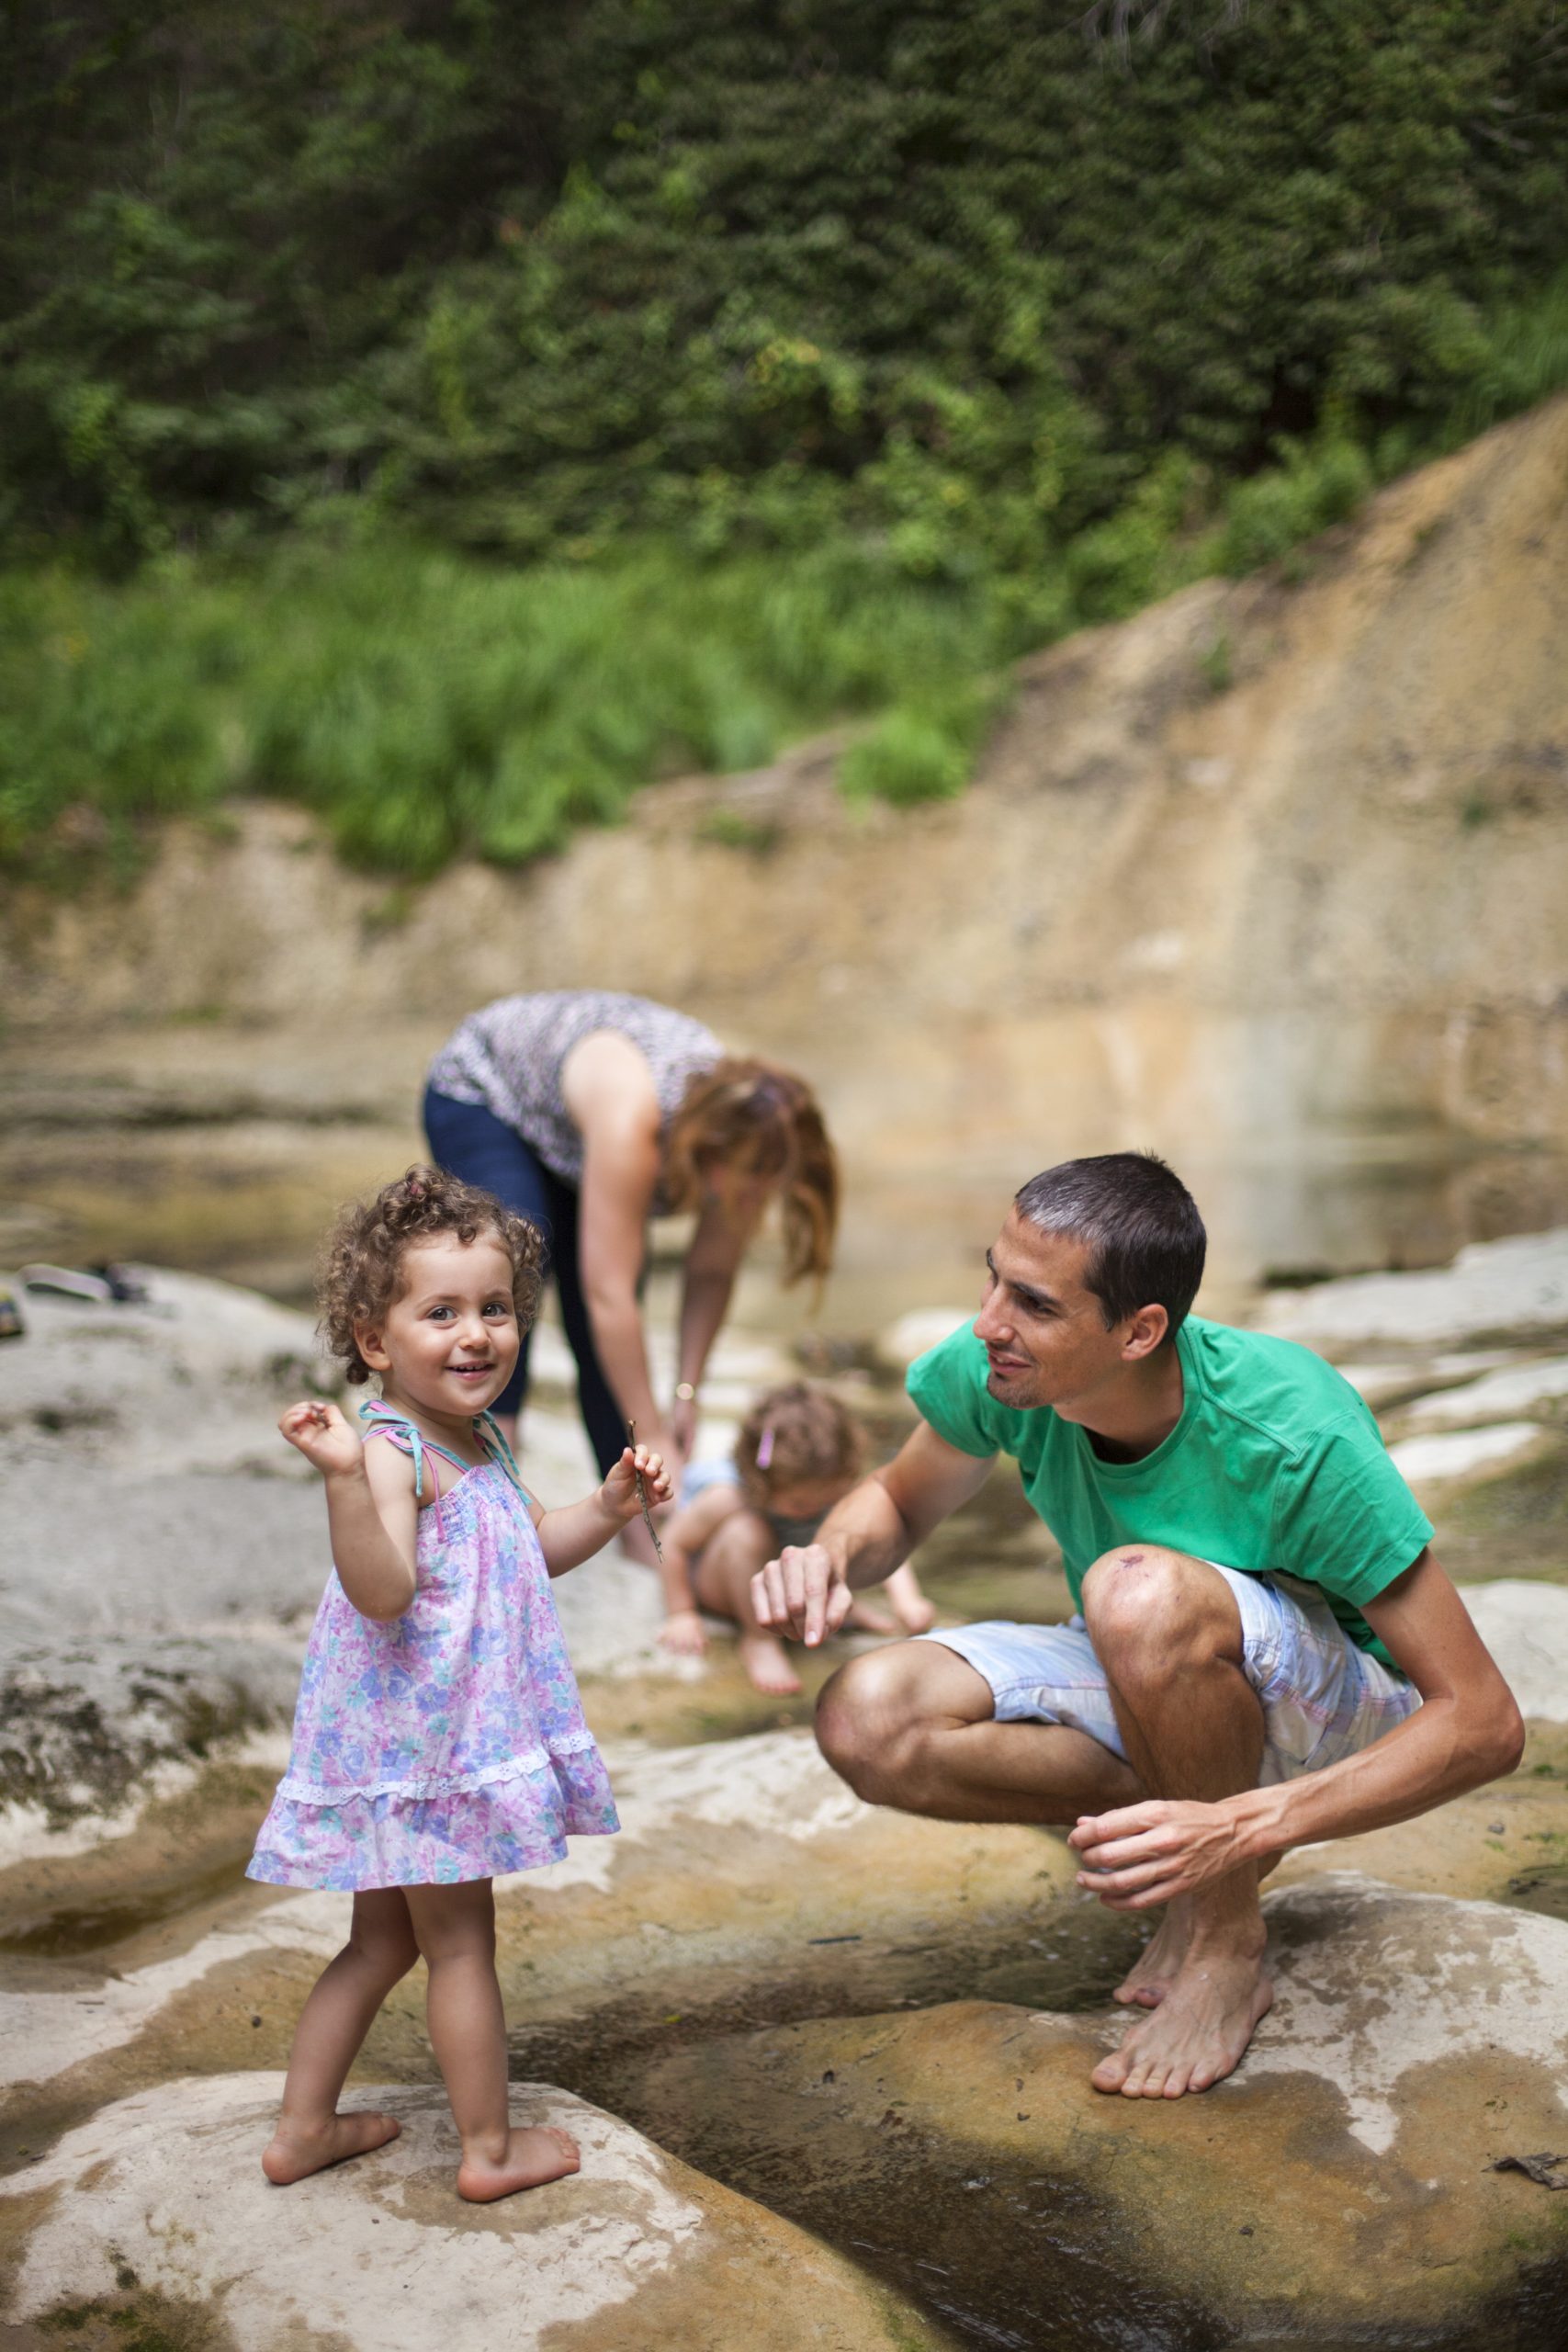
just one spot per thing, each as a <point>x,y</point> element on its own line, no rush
<point>913,1725</point>
<point>1169,1634</point>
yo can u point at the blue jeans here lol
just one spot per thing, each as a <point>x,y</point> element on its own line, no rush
<point>472,1143</point>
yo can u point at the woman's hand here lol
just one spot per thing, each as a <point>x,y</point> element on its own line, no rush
<point>619,1492</point>
<point>683,1633</point>
<point>683,1429</point>
<point>323,1437</point>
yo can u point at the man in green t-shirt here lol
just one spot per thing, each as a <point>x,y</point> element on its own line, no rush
<point>1267,1654</point>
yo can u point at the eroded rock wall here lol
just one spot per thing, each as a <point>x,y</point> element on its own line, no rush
<point>1266,862</point>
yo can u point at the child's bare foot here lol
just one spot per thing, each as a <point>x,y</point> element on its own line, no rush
<point>863,1617</point>
<point>534,2155</point>
<point>297,2150</point>
<point>767,1667</point>
<point>909,1603</point>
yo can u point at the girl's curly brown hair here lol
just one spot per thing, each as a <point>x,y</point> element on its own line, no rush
<point>803,1433</point>
<point>360,1272</point>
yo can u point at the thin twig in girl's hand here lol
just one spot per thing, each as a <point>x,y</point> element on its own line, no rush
<point>642,1498</point>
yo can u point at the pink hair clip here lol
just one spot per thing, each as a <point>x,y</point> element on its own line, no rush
<point>765,1447</point>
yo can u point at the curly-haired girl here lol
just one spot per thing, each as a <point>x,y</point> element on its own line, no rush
<point>438,1737</point>
<point>797,1454</point>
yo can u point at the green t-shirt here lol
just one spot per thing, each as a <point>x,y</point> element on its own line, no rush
<point>1275,1465</point>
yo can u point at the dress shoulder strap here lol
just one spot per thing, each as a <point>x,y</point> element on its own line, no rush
<point>408,1438</point>
<point>495,1445</point>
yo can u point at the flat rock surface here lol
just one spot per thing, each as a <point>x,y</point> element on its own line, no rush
<point>1444,1457</point>
<point>745,1877</point>
<point>155,2217</point>
<point>1538,1389</point>
<point>1518,1287</point>
<point>1525,1626</point>
<point>1337,2190</point>
<point>752,1910</point>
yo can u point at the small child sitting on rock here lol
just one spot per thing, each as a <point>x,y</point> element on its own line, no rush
<point>799,1451</point>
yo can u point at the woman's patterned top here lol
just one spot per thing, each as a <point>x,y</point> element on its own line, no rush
<point>509,1055</point>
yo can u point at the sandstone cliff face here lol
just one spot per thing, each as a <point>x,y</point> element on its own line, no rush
<point>1269,861</point>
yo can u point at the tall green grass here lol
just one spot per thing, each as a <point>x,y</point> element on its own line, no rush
<point>426,704</point>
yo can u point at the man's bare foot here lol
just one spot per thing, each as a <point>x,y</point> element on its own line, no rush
<point>1158,1965</point>
<point>865,1617</point>
<point>297,2150</point>
<point>1199,2032</point>
<point>767,1667</point>
<point>534,2155</point>
<point>909,1603</point>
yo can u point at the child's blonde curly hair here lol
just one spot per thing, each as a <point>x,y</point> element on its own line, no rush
<point>360,1272</point>
<point>794,1434</point>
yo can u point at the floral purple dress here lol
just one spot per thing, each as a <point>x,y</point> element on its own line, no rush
<point>449,1744</point>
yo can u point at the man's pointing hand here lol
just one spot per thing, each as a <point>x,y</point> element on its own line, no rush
<point>802,1593</point>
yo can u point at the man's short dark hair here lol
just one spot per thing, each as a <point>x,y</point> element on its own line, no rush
<point>1145,1239</point>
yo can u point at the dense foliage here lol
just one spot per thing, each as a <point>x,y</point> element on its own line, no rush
<point>1024,307</point>
<point>424,703</point>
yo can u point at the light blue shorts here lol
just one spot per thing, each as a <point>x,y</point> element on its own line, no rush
<point>1322,1697</point>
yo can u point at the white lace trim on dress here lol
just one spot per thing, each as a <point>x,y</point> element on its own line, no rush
<point>532,1760</point>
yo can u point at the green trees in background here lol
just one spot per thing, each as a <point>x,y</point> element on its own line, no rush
<point>968,307</point>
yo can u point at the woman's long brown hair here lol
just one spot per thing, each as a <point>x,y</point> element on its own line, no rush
<point>749,1114</point>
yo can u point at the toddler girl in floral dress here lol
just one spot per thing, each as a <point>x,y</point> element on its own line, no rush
<point>438,1737</point>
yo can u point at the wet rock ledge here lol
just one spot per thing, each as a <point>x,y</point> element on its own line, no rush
<point>828,2066</point>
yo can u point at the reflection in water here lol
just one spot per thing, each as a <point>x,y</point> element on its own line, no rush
<point>920,1242</point>
<point>249,1203</point>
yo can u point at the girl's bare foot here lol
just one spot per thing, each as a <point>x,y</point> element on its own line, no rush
<point>1158,1965</point>
<point>767,1667</point>
<point>296,2150</point>
<point>534,2155</point>
<point>909,1603</point>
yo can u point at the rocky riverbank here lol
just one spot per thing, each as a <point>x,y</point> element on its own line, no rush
<point>828,2064</point>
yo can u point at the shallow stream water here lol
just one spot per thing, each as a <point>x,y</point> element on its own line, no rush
<point>239,1181</point>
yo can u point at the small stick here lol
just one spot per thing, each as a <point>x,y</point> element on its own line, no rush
<point>642,1498</point>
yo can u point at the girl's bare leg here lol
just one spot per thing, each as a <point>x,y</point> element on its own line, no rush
<point>455,1928</point>
<point>909,1603</point>
<point>722,1582</point>
<point>637,1544</point>
<point>310,2134</point>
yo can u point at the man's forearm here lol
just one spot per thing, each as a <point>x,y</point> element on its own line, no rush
<point>1444,1750</point>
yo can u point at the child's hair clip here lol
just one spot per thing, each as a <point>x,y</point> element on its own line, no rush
<point>765,1447</point>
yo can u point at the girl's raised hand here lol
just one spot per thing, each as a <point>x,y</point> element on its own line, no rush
<point>619,1490</point>
<point>322,1436</point>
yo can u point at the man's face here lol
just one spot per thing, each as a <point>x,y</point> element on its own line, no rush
<point>1043,1331</point>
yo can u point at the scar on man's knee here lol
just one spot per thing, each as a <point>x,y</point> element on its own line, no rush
<point>1131,1560</point>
